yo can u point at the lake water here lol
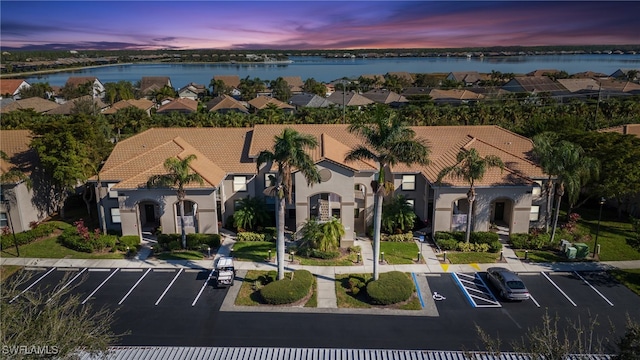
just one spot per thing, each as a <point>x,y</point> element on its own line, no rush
<point>329,69</point>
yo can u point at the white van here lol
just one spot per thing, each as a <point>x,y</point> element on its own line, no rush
<point>224,271</point>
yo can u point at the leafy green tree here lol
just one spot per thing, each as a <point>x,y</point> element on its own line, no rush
<point>398,215</point>
<point>65,146</point>
<point>281,89</point>
<point>312,86</point>
<point>470,167</point>
<point>388,142</point>
<point>165,92</point>
<point>121,90</point>
<point>324,236</point>
<point>545,152</point>
<point>251,213</point>
<point>288,154</point>
<point>219,88</point>
<point>41,90</point>
<point>178,176</point>
<point>249,88</point>
<point>619,158</point>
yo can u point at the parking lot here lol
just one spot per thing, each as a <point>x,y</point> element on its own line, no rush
<point>128,288</point>
<point>552,290</point>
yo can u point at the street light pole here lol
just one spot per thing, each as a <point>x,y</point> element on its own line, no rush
<point>595,245</point>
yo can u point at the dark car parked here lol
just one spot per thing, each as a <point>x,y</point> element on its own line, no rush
<point>508,284</point>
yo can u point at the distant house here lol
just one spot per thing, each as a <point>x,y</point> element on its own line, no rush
<point>454,96</point>
<point>263,102</point>
<point>192,91</point>
<point>69,107</point>
<point>21,205</point>
<point>37,104</point>
<point>403,75</point>
<point>580,85</point>
<point>543,72</point>
<point>10,88</point>
<point>349,98</point>
<point>534,85</point>
<point>185,106</point>
<point>629,129</point>
<point>468,78</point>
<point>226,104</point>
<point>142,104</point>
<point>149,84</point>
<point>98,89</point>
<point>624,74</point>
<point>295,83</point>
<point>386,97</point>
<point>589,74</point>
<point>376,79</point>
<point>309,100</point>
<point>611,87</point>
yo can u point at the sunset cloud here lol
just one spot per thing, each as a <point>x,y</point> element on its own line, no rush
<point>315,24</point>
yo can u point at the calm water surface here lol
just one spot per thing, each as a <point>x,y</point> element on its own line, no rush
<point>325,70</point>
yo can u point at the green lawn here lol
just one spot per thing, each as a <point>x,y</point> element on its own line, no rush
<point>471,257</point>
<point>399,252</point>
<point>253,250</point>
<point>630,278</point>
<point>181,255</point>
<point>541,256</point>
<point>8,270</point>
<point>612,237</point>
<point>343,261</point>
<point>50,248</point>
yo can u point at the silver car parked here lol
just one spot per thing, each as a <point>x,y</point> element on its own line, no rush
<point>508,284</point>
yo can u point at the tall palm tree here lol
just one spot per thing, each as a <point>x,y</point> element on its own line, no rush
<point>332,232</point>
<point>288,153</point>
<point>471,167</point>
<point>388,142</point>
<point>178,176</point>
<point>545,151</point>
<point>573,170</point>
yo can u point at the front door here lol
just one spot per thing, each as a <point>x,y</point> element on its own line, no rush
<point>150,214</point>
<point>499,212</point>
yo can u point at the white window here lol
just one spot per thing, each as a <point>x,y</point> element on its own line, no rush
<point>268,179</point>
<point>537,188</point>
<point>408,182</point>
<point>115,216</point>
<point>535,213</point>
<point>412,203</point>
<point>239,183</point>
<point>113,194</point>
<point>4,220</point>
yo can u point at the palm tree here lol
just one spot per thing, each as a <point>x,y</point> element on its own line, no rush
<point>252,212</point>
<point>332,232</point>
<point>178,176</point>
<point>545,151</point>
<point>471,167</point>
<point>388,142</point>
<point>288,153</point>
<point>573,170</point>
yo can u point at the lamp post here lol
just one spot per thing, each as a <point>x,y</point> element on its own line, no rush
<point>595,245</point>
<point>344,106</point>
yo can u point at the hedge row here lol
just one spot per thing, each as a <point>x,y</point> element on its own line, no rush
<point>450,240</point>
<point>390,288</point>
<point>398,237</point>
<point>170,242</point>
<point>250,236</point>
<point>26,237</point>
<point>287,291</point>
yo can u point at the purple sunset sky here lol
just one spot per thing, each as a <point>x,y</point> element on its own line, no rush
<point>314,24</point>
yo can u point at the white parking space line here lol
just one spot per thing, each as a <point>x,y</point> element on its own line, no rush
<point>534,300</point>
<point>470,288</point>
<point>594,289</point>
<point>558,288</point>
<point>134,286</point>
<point>100,270</point>
<point>30,286</point>
<point>167,289</point>
<point>99,286</point>
<point>67,284</point>
<point>202,288</point>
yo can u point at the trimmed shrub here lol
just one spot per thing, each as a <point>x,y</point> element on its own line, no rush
<point>495,246</point>
<point>70,239</point>
<point>531,241</point>
<point>398,237</point>
<point>250,236</point>
<point>287,291</point>
<point>483,237</point>
<point>355,284</point>
<point>26,237</point>
<point>391,288</point>
<point>167,238</point>
<point>457,235</point>
<point>270,233</point>
<point>447,244</point>
<point>319,254</point>
<point>132,241</point>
